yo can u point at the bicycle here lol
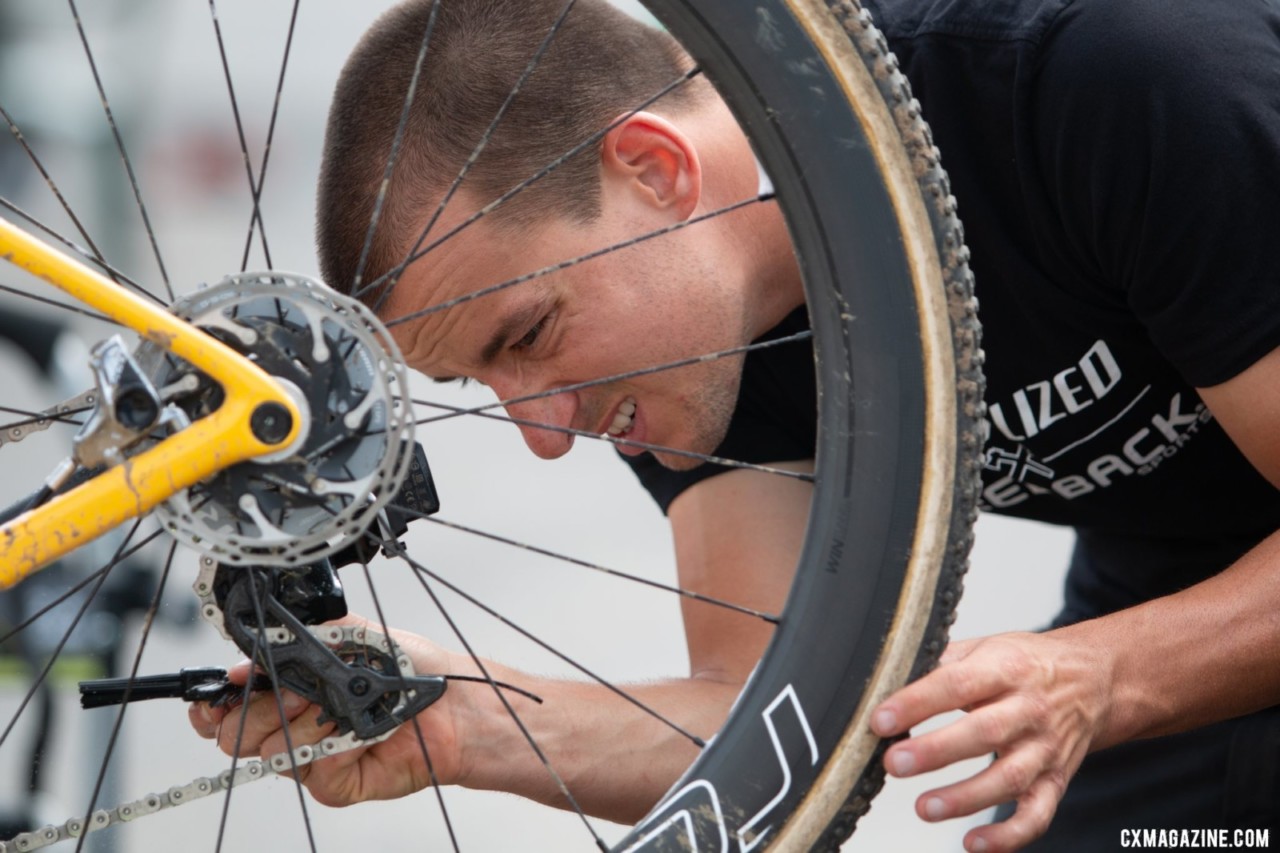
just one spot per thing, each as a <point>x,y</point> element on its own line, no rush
<point>178,421</point>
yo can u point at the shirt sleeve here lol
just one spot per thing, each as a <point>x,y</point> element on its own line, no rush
<point>1157,129</point>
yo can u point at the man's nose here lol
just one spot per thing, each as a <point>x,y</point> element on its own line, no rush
<point>543,421</point>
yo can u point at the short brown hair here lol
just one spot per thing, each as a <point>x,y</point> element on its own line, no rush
<point>600,64</point>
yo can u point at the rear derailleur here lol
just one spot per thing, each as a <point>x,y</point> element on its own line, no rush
<point>361,681</point>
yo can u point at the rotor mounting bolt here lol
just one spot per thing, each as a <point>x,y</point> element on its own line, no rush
<point>359,686</point>
<point>270,423</point>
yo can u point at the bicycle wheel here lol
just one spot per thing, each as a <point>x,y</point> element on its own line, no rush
<point>896,355</point>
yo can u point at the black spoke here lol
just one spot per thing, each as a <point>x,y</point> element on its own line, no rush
<point>37,417</point>
<point>81,584</point>
<point>484,138</point>
<point>396,143</point>
<point>269,661</point>
<point>235,752</point>
<point>390,277</point>
<point>603,682</point>
<point>147,623</point>
<point>397,550</point>
<point>93,253</point>
<point>256,219</point>
<point>417,728</point>
<point>120,147</point>
<point>53,302</point>
<point>580,259</point>
<point>66,636</point>
<point>271,133</point>
<point>617,377</point>
<point>630,374</point>
<point>21,139</point>
<point>84,253</point>
<point>619,442</point>
<point>534,549</point>
<point>31,620</point>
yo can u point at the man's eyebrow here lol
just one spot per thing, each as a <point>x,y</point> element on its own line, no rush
<point>515,323</point>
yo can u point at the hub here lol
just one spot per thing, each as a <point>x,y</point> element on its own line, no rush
<point>341,368</point>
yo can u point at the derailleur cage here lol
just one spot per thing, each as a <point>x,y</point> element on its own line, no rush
<point>366,688</point>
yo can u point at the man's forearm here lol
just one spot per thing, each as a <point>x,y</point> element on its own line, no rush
<point>614,758</point>
<point>1207,653</point>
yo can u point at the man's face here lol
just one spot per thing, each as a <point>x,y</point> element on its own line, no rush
<point>670,298</point>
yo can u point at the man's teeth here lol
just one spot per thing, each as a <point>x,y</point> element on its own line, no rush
<point>623,419</point>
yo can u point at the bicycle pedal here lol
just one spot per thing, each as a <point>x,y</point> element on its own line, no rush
<point>194,684</point>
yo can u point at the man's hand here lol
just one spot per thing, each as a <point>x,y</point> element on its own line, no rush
<point>737,536</point>
<point>393,768</point>
<point>1038,701</point>
<point>588,732</point>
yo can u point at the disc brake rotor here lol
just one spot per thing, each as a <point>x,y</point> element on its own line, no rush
<point>337,361</point>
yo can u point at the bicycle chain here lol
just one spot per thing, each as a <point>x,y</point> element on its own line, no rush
<point>49,417</point>
<point>196,789</point>
<point>250,771</point>
<point>80,402</point>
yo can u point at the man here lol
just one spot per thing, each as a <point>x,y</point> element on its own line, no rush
<point>1132,315</point>
<point>563,328</point>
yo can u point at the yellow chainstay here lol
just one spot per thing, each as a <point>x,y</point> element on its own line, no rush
<point>130,489</point>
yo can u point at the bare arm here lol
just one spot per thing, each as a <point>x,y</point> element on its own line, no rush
<point>737,538</point>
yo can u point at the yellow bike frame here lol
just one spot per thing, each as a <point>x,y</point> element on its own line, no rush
<point>133,488</point>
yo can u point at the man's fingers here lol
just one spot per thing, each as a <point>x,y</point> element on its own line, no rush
<point>1032,817</point>
<point>988,729</point>
<point>304,730</point>
<point>262,717</point>
<point>1008,778</point>
<point>958,650</point>
<point>950,687</point>
<point>205,718</point>
<point>1031,700</point>
<point>328,780</point>
<point>239,674</point>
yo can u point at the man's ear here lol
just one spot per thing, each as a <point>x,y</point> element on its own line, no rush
<point>649,155</point>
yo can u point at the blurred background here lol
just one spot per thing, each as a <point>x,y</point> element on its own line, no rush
<point>160,67</point>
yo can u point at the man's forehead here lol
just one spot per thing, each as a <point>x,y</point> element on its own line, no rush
<point>444,274</point>
<point>461,255</point>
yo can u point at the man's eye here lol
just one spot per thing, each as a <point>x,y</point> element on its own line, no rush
<point>531,336</point>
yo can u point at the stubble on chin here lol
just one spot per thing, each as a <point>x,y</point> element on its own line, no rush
<point>710,422</point>
<point>674,462</point>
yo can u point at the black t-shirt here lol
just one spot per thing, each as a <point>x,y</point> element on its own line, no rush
<point>1117,164</point>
